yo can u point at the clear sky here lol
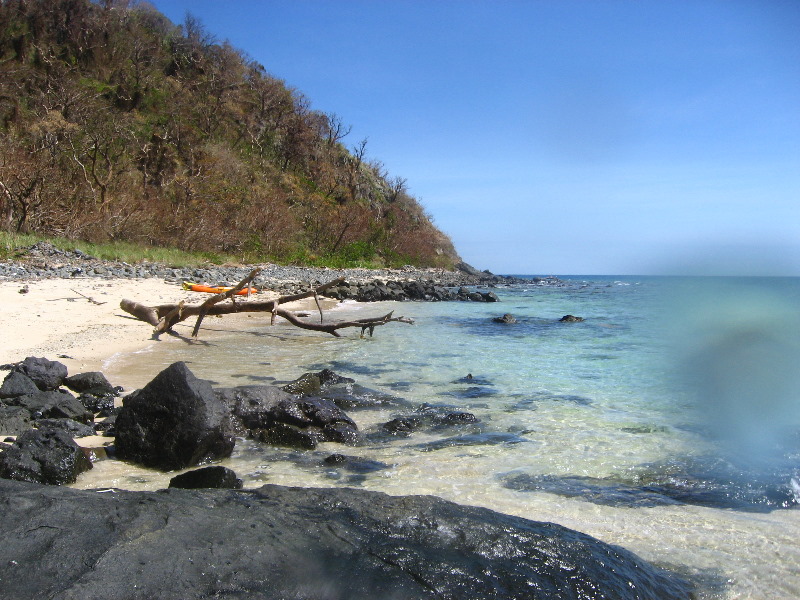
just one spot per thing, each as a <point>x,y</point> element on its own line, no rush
<point>560,137</point>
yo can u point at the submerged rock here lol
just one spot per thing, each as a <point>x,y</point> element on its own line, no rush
<point>507,318</point>
<point>570,319</point>
<point>278,542</point>
<point>174,422</point>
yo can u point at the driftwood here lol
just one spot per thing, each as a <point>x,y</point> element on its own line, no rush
<point>165,316</point>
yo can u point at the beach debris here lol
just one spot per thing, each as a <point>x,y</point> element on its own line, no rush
<point>24,289</point>
<point>166,316</point>
<point>89,298</point>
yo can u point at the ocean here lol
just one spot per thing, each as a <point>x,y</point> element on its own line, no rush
<point>666,421</point>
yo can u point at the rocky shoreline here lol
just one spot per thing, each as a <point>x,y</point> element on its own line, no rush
<point>44,261</point>
<point>270,542</point>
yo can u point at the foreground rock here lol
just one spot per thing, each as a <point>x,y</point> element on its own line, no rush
<point>278,542</point>
<point>174,422</point>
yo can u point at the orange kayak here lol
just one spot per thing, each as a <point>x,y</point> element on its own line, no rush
<point>210,289</point>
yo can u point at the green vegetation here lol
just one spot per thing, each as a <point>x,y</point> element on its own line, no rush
<point>121,129</point>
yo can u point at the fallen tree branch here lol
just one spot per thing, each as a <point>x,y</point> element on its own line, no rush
<point>165,316</point>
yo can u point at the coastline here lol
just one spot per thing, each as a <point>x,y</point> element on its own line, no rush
<point>56,319</point>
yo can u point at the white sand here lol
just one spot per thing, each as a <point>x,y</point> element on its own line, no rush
<point>53,320</point>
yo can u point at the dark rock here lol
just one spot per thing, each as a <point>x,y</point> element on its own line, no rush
<point>17,384</point>
<point>354,464</point>
<point>352,396</point>
<point>53,405</point>
<point>473,439</point>
<point>72,427</point>
<point>307,384</point>
<point>46,374</point>
<point>489,297</point>
<point>403,426</point>
<point>94,383</point>
<point>175,421</point>
<point>279,542</point>
<point>97,404</point>
<point>251,406</point>
<point>328,377</point>
<point>14,420</point>
<point>342,433</point>
<point>208,477</point>
<point>570,319</point>
<point>283,434</point>
<point>428,417</point>
<point>506,318</point>
<point>44,456</point>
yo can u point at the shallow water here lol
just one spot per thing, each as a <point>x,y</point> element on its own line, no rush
<point>584,424</point>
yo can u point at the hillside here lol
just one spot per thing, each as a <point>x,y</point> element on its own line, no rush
<point>116,124</point>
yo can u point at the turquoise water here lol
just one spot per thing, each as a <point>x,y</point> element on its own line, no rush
<point>584,424</point>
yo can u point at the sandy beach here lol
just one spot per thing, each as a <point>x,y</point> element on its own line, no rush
<point>79,322</point>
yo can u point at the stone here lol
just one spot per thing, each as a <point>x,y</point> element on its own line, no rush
<point>175,421</point>
<point>507,318</point>
<point>14,420</point>
<point>97,404</point>
<point>93,382</point>
<point>282,542</point>
<point>570,319</point>
<point>355,396</point>
<point>208,477</point>
<point>46,455</point>
<point>291,436</point>
<point>46,374</point>
<point>53,405</point>
<point>72,427</point>
<point>17,384</point>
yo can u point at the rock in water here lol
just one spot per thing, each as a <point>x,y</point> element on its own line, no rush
<point>506,318</point>
<point>174,422</point>
<point>280,542</point>
<point>570,319</point>
<point>207,477</point>
<point>44,456</point>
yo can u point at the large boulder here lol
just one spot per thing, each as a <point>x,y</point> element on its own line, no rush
<point>174,422</point>
<point>44,456</point>
<point>279,542</point>
<point>46,374</point>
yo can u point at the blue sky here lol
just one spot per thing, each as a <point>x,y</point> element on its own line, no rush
<point>561,137</point>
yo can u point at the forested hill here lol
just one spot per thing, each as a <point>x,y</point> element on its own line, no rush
<point>116,124</point>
